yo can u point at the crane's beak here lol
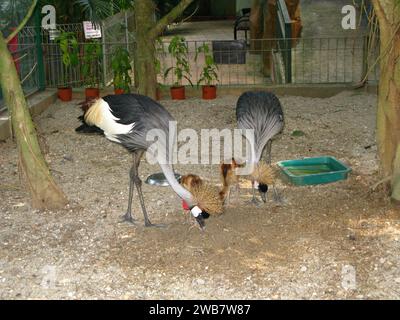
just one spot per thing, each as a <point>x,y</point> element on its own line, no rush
<point>200,221</point>
<point>199,215</point>
<point>263,196</point>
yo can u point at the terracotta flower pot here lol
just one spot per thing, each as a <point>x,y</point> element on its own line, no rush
<point>92,93</point>
<point>178,93</point>
<point>209,92</point>
<point>119,91</point>
<point>65,94</point>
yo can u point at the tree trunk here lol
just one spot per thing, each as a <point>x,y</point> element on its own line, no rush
<point>388,114</point>
<point>255,24</point>
<point>147,30</point>
<point>44,192</point>
<point>268,33</point>
<point>293,7</point>
<point>146,79</point>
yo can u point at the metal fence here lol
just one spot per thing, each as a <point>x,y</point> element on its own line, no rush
<point>114,33</point>
<point>53,67</point>
<point>59,75</point>
<point>25,59</point>
<point>311,61</point>
<point>333,60</point>
<point>118,31</point>
<point>284,43</point>
<point>24,50</point>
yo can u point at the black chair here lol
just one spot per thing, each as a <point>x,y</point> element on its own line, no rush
<point>242,23</point>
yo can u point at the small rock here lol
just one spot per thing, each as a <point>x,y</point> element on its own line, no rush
<point>303,269</point>
<point>351,237</point>
<point>68,157</point>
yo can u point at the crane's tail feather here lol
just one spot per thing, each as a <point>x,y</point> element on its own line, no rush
<point>262,112</point>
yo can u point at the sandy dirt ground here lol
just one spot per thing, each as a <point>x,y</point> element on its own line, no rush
<point>334,241</point>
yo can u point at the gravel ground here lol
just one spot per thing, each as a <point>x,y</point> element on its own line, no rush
<point>331,241</point>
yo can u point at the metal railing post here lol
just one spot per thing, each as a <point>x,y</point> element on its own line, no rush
<point>39,50</point>
<point>103,41</point>
<point>285,26</point>
<point>126,31</point>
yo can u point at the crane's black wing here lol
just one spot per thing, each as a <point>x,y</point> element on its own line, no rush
<point>144,112</point>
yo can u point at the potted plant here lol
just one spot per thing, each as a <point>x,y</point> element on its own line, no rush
<point>121,67</point>
<point>179,51</point>
<point>69,54</point>
<point>208,75</point>
<point>91,68</point>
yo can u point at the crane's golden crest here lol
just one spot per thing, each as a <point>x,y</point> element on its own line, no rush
<point>207,198</point>
<point>264,174</point>
<point>204,194</point>
<point>94,115</point>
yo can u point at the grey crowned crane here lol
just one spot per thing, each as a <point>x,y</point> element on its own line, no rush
<point>126,119</point>
<point>262,112</point>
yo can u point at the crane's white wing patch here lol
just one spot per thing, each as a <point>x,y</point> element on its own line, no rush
<point>109,123</point>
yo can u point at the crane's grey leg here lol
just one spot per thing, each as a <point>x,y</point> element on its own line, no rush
<point>237,189</point>
<point>269,147</point>
<point>138,184</point>
<point>277,197</point>
<point>128,214</point>
<point>228,196</point>
<point>254,199</point>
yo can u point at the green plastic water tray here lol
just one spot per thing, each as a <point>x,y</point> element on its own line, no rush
<point>318,170</point>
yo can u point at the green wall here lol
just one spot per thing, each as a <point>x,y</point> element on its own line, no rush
<point>223,8</point>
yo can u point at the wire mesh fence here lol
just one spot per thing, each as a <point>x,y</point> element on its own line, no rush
<point>25,59</point>
<point>24,53</point>
<point>312,61</point>
<point>116,31</point>
<point>263,62</point>
<point>332,60</point>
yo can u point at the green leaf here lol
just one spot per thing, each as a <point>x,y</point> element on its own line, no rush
<point>297,133</point>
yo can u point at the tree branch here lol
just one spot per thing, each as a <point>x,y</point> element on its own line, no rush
<point>380,13</point>
<point>23,23</point>
<point>168,18</point>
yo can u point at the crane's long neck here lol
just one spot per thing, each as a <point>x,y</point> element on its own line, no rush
<point>175,185</point>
